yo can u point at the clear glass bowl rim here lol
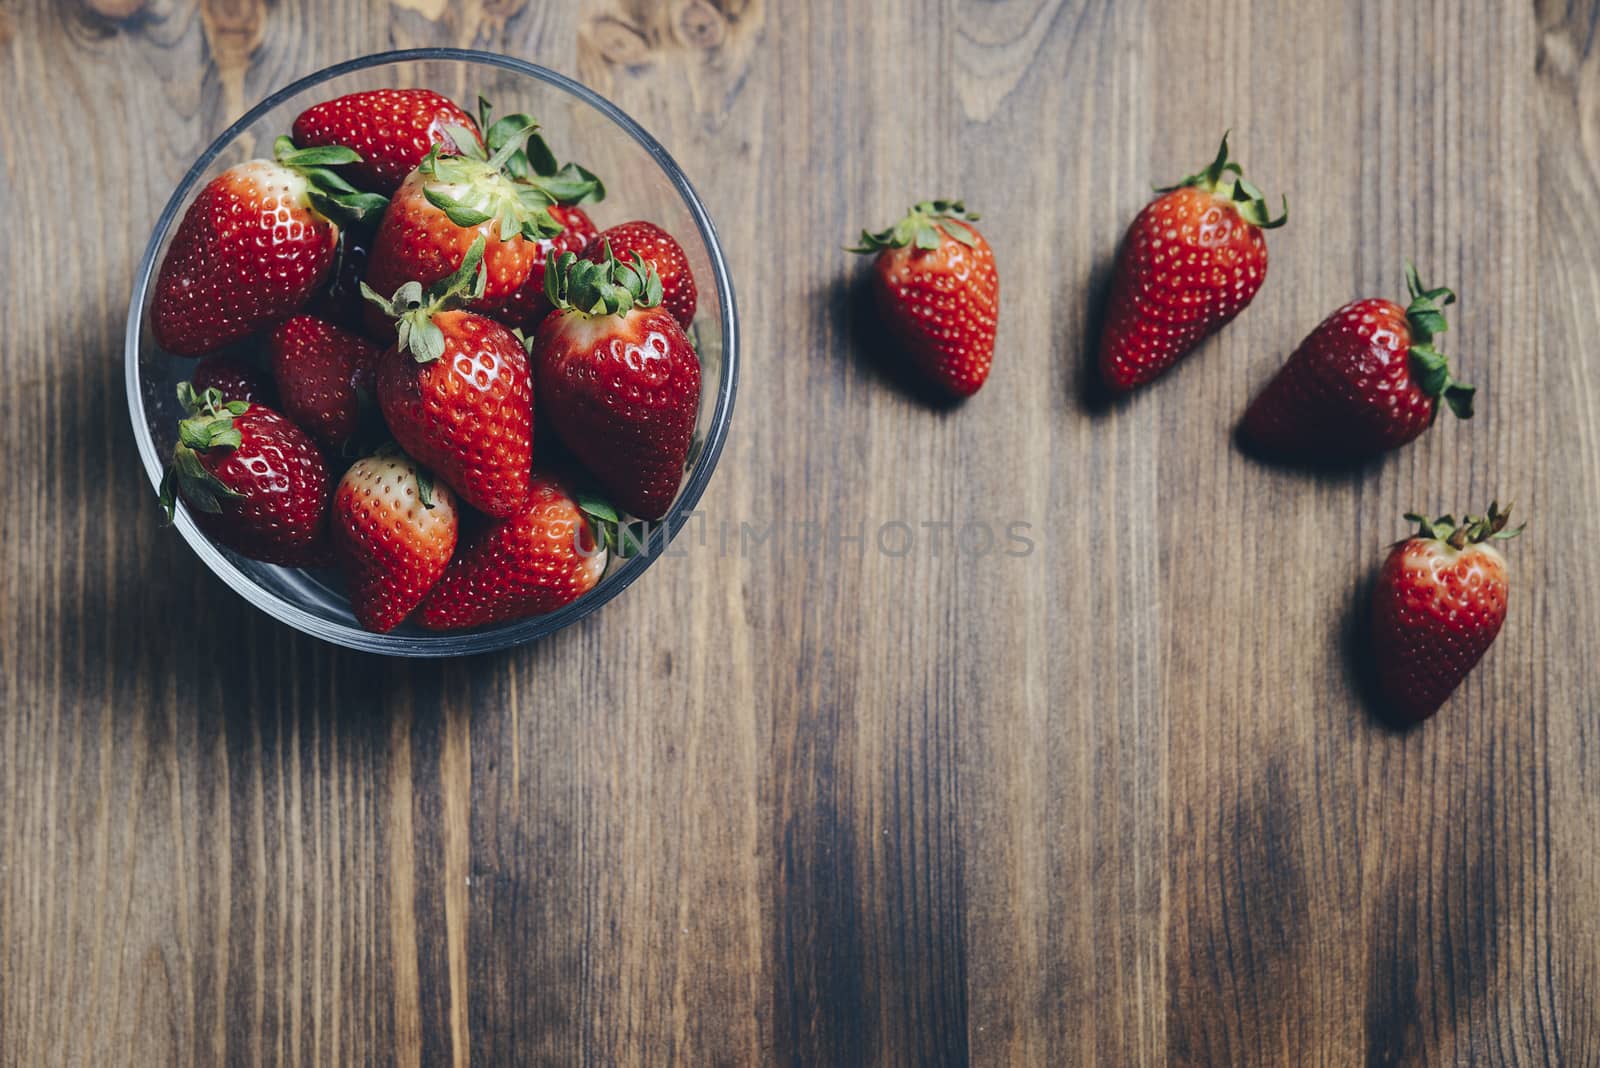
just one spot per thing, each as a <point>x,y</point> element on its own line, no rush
<point>505,635</point>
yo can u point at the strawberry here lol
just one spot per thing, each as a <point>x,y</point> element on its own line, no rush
<point>446,204</point>
<point>391,129</point>
<point>662,252</point>
<point>456,391</point>
<point>393,531</point>
<point>326,376</point>
<point>234,378</point>
<point>1365,381</point>
<point>937,290</point>
<point>618,379</point>
<point>253,247</point>
<point>1192,260</point>
<point>530,563</point>
<point>1439,603</point>
<point>528,306</point>
<point>253,481</point>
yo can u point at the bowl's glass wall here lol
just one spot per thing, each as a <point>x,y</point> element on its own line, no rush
<point>641,183</point>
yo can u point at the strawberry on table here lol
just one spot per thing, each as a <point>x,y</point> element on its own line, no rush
<point>253,247</point>
<point>543,557</point>
<point>456,390</point>
<point>252,480</point>
<point>1438,606</point>
<point>448,203</point>
<point>326,376</point>
<point>938,291</point>
<point>393,531</point>
<point>618,379</point>
<point>1367,380</point>
<point>662,252</point>
<point>391,129</point>
<point>234,378</point>
<point>1192,260</point>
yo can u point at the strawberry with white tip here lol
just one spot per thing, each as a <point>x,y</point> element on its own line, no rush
<point>394,530</point>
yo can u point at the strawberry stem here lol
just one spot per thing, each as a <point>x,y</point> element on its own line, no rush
<point>330,194</point>
<point>1472,530</point>
<point>922,226</point>
<point>1225,179</point>
<point>611,287</point>
<point>412,308</point>
<point>1425,313</point>
<point>534,165</point>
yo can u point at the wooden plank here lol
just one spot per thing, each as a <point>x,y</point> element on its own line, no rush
<point>1115,801</point>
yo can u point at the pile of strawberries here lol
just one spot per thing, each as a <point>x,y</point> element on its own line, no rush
<point>1367,380</point>
<point>386,311</point>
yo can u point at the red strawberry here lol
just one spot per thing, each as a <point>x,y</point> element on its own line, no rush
<point>528,306</point>
<point>394,531</point>
<point>936,286</point>
<point>253,481</point>
<point>1439,603</point>
<point>392,129</point>
<point>1192,260</point>
<point>618,379</point>
<point>662,252</point>
<point>253,248</point>
<point>531,563</point>
<point>446,204</point>
<point>233,378</point>
<point>456,391</point>
<point>1367,380</point>
<point>325,375</point>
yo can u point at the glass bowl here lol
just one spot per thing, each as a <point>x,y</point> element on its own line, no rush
<point>642,182</point>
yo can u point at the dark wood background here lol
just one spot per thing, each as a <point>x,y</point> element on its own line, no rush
<point>1119,802</point>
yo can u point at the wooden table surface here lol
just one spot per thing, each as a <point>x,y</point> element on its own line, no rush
<point>1117,801</point>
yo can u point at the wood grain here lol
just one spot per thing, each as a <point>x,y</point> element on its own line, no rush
<point>1119,801</point>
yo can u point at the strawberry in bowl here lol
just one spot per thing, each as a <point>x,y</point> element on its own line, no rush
<point>359,456</point>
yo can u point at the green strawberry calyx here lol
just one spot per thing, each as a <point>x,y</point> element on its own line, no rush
<point>534,165</point>
<point>1225,179</point>
<point>209,426</point>
<point>619,538</point>
<point>611,287</point>
<point>1472,530</point>
<point>412,308</point>
<point>1425,313</point>
<point>923,226</point>
<point>329,193</point>
<point>473,186</point>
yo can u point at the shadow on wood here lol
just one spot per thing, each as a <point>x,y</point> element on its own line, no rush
<point>1355,649</point>
<point>853,318</point>
<point>1088,387</point>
